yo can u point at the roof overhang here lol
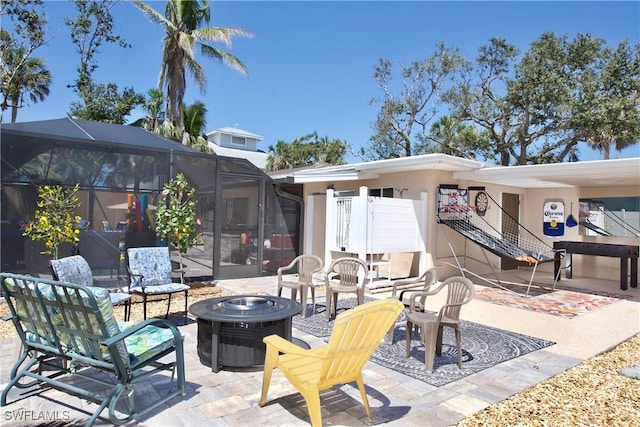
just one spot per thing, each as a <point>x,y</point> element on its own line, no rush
<point>597,173</point>
<point>373,170</point>
<point>235,132</point>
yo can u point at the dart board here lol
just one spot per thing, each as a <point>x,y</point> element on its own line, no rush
<point>482,203</point>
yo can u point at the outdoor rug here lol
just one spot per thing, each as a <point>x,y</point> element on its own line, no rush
<point>316,324</point>
<point>559,302</point>
<point>482,347</point>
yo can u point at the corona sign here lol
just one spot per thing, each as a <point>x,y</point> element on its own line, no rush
<point>553,223</point>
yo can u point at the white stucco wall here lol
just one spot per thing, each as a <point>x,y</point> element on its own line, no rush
<point>438,247</point>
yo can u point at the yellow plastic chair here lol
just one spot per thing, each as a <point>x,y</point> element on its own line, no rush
<point>355,336</point>
<point>307,265</point>
<point>459,292</point>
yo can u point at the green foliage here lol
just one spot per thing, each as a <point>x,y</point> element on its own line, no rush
<point>405,113</point>
<point>154,107</point>
<point>306,150</point>
<point>103,103</point>
<point>191,132</point>
<point>451,136</point>
<point>89,30</point>
<point>611,113</point>
<point>23,76</point>
<point>518,108</point>
<point>539,106</point>
<point>176,214</point>
<point>54,222</point>
<point>184,25</point>
<point>20,72</point>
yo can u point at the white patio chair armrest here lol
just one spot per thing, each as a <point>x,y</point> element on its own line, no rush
<point>418,282</point>
<point>284,268</point>
<point>413,306</point>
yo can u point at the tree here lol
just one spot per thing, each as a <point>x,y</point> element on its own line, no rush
<point>104,103</point>
<point>89,31</point>
<point>453,137</point>
<point>19,70</point>
<point>29,78</point>
<point>190,133</point>
<point>406,111</point>
<point>474,99</point>
<point>306,150</point>
<point>613,121</point>
<point>195,122</point>
<point>176,215</point>
<point>183,25</point>
<point>54,221</point>
<point>153,106</point>
<point>538,107</point>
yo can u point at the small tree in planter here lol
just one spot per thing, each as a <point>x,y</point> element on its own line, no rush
<point>176,215</point>
<point>54,222</point>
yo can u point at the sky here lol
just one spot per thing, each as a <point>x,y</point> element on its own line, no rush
<point>311,63</point>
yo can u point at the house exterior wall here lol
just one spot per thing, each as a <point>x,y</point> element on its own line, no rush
<point>441,244</point>
<point>314,224</point>
<point>224,140</point>
<point>583,265</point>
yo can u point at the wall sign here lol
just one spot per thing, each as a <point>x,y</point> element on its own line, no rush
<point>553,223</point>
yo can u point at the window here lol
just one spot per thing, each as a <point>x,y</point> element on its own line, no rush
<point>381,192</point>
<point>239,140</point>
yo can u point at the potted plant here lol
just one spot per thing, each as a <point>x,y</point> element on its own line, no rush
<point>55,222</point>
<point>176,215</point>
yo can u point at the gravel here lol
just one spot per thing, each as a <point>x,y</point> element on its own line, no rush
<point>598,392</point>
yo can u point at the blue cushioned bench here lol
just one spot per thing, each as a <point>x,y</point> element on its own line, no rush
<point>74,324</point>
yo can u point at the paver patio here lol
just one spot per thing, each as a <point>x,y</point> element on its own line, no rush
<point>230,397</point>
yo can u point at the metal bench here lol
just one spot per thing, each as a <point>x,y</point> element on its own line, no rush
<point>70,330</point>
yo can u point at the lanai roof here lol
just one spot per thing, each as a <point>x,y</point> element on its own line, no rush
<point>69,129</point>
<point>80,133</point>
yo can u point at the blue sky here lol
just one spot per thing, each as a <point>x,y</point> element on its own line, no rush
<point>310,63</point>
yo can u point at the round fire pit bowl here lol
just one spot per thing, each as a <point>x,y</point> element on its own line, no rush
<point>231,328</point>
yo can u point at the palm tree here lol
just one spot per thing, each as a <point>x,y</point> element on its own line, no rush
<point>456,138</point>
<point>192,129</point>
<point>195,122</point>
<point>183,32</point>
<point>153,107</point>
<point>605,141</point>
<point>28,76</point>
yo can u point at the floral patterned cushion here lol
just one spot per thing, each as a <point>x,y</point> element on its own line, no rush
<point>75,269</point>
<point>72,269</point>
<point>150,269</point>
<point>35,325</point>
<point>89,325</point>
<point>147,342</point>
<point>77,332</point>
<point>149,266</point>
<point>161,289</point>
<point>74,331</point>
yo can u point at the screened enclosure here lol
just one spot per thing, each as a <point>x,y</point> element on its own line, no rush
<point>248,225</point>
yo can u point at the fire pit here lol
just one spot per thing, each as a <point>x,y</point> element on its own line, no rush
<point>231,328</point>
